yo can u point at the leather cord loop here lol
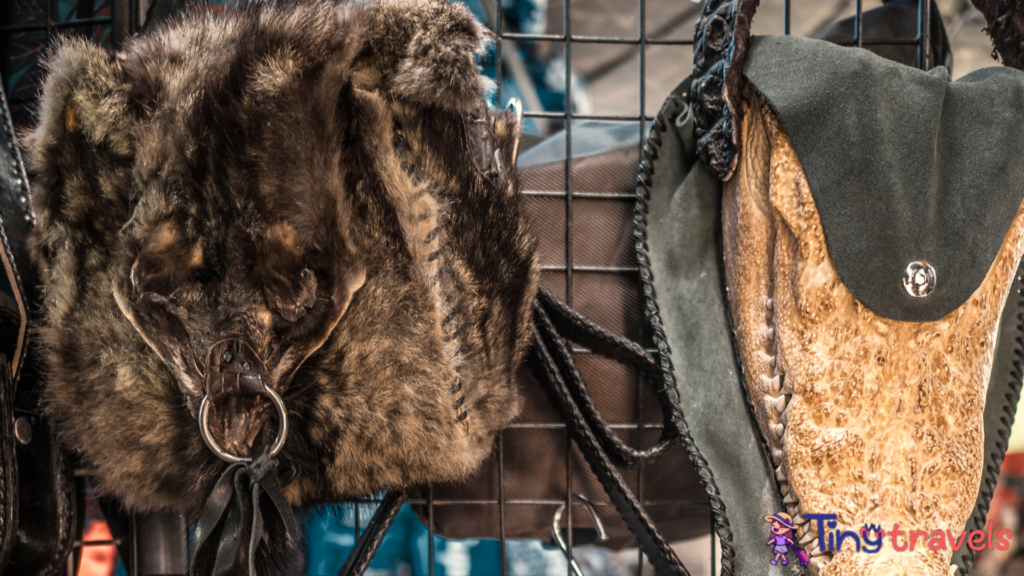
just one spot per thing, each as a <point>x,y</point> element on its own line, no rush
<point>564,320</point>
<point>547,371</point>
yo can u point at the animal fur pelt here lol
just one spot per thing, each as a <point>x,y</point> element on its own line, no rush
<point>1005,20</point>
<point>320,181</point>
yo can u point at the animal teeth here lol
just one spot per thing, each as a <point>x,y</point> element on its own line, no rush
<point>789,499</point>
<point>771,334</point>
<point>787,388</point>
<point>798,519</point>
<point>770,304</point>
<point>772,361</point>
<point>775,384</point>
<point>808,538</point>
<point>779,430</point>
<point>817,552</point>
<point>784,488</point>
<point>780,474</point>
<point>784,417</point>
<point>780,403</point>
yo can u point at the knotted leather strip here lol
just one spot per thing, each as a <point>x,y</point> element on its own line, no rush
<point>573,326</point>
<point>235,503</point>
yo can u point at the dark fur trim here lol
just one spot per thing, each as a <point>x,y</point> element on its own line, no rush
<point>274,175</point>
<point>1006,28</point>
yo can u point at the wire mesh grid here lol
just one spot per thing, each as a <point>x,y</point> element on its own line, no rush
<point>117,20</point>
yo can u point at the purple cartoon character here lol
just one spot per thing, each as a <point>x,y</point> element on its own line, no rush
<point>782,539</point>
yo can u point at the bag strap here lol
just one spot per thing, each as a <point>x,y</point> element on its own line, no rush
<point>550,374</point>
<point>369,541</point>
<point>568,324</point>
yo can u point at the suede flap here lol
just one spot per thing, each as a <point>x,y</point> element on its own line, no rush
<point>904,165</point>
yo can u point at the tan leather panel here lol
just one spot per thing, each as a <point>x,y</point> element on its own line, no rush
<point>881,420</point>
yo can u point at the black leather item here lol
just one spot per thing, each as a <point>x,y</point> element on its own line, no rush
<point>904,165</point>
<point>547,345</point>
<point>44,522</point>
<point>46,499</point>
<point>234,510</point>
<point>551,360</point>
<point>15,222</point>
<point>8,465</point>
<point>895,20</point>
<point>369,541</point>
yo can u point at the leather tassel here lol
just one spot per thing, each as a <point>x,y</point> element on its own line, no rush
<point>218,534</point>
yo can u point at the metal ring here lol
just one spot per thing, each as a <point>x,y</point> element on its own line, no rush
<point>204,428</point>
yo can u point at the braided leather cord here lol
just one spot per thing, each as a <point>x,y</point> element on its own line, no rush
<point>1015,374</point>
<point>545,368</point>
<point>652,314</point>
<point>369,541</point>
<point>576,328</point>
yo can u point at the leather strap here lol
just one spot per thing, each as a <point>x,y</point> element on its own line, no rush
<point>369,541</point>
<point>8,465</point>
<point>549,372</point>
<point>575,327</point>
<point>235,502</point>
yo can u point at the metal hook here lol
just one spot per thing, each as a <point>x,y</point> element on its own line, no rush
<point>556,519</point>
<point>517,107</point>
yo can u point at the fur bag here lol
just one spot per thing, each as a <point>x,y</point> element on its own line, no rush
<point>310,202</point>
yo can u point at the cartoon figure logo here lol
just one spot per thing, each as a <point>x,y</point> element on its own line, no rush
<point>782,539</point>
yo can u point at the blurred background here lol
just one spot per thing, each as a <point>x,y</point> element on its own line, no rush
<point>600,68</point>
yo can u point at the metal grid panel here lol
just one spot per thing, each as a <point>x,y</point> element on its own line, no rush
<point>123,23</point>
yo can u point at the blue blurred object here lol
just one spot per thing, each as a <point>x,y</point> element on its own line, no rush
<point>330,536</point>
<point>539,80</point>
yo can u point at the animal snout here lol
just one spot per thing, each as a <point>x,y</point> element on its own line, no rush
<point>235,369</point>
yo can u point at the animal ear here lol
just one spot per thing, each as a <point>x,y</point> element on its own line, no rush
<point>422,52</point>
<point>84,98</point>
<point>81,149</point>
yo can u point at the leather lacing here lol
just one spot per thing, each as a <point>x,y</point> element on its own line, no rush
<point>672,107</point>
<point>990,475</point>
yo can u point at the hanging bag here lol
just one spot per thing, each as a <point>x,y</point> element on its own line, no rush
<point>283,261</point>
<point>843,312</point>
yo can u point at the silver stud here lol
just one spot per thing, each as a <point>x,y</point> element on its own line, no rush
<point>919,279</point>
